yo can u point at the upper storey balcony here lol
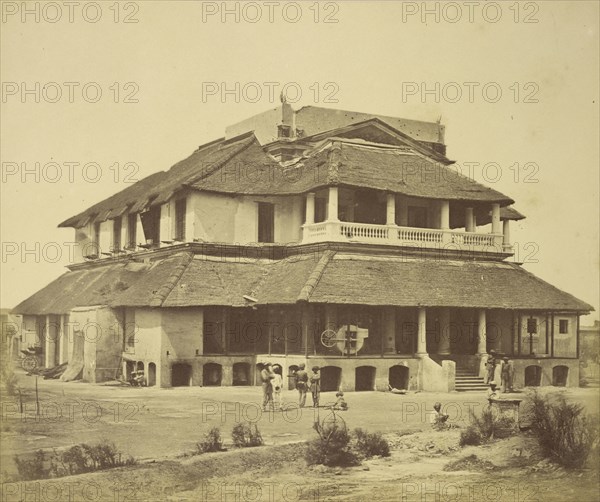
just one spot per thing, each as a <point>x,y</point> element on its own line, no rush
<point>373,217</point>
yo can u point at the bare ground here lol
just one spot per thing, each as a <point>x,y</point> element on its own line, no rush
<point>161,428</point>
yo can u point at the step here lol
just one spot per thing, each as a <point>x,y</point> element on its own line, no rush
<point>471,387</point>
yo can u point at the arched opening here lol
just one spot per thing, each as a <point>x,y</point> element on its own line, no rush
<point>241,374</point>
<point>560,375</point>
<point>181,375</point>
<point>139,366</point>
<point>331,377</point>
<point>398,377</point>
<point>151,374</point>
<point>533,376</point>
<point>212,374</point>
<point>364,378</point>
<point>292,377</point>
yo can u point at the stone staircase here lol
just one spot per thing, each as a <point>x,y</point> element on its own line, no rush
<point>466,381</point>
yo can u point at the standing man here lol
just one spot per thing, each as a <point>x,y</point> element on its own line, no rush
<point>266,375</point>
<point>301,384</point>
<point>490,366</point>
<point>315,386</point>
<point>507,375</point>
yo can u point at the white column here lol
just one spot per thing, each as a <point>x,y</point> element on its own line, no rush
<point>506,234</point>
<point>422,332</point>
<point>390,218</point>
<point>310,208</point>
<point>481,343</point>
<point>469,220</point>
<point>496,218</point>
<point>332,204</point>
<point>49,344</point>
<point>444,214</point>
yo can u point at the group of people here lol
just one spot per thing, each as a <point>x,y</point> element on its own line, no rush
<point>506,371</point>
<point>272,386</point>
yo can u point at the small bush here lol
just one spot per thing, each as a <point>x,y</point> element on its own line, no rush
<point>33,468</point>
<point>564,433</point>
<point>244,436</point>
<point>211,442</point>
<point>368,445</point>
<point>488,426</point>
<point>9,380</point>
<point>470,436</point>
<point>331,448</point>
<point>76,460</point>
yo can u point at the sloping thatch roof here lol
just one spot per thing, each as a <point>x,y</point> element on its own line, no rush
<point>403,281</point>
<point>159,187</point>
<point>186,280</point>
<point>241,166</point>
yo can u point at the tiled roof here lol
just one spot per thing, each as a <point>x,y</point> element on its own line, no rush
<point>403,281</point>
<point>181,280</point>
<point>92,286</point>
<point>159,187</point>
<point>346,163</point>
<point>241,166</point>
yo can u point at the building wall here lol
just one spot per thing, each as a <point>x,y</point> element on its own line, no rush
<point>181,341</point>
<point>101,329</point>
<point>234,219</point>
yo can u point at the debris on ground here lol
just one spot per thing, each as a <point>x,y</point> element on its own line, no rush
<point>470,463</point>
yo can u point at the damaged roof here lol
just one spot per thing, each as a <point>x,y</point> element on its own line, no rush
<point>241,166</point>
<point>186,279</point>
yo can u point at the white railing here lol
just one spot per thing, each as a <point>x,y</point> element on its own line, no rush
<point>342,231</point>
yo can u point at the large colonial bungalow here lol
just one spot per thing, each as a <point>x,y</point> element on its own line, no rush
<point>335,239</point>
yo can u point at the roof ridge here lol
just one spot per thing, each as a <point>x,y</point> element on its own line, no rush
<point>163,292</point>
<point>261,281</point>
<point>315,276</point>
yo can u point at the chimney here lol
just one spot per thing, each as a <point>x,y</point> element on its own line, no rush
<point>287,128</point>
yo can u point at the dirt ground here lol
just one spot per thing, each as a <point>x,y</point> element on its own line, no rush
<point>160,428</point>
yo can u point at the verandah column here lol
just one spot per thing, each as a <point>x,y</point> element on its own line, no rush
<point>481,333</point>
<point>496,219</point>
<point>422,332</point>
<point>506,235</point>
<point>481,342</point>
<point>332,204</point>
<point>390,217</point>
<point>310,208</point>
<point>469,220</point>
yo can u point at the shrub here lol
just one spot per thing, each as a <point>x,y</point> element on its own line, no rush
<point>564,433</point>
<point>470,436</point>
<point>211,442</point>
<point>244,436</point>
<point>368,444</point>
<point>332,447</point>
<point>486,427</point>
<point>33,468</point>
<point>9,380</point>
<point>76,460</point>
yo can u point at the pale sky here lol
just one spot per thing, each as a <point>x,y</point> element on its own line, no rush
<point>543,131</point>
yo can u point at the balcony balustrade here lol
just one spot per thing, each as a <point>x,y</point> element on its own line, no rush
<point>393,235</point>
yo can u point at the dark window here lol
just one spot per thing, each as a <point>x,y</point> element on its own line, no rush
<point>116,235</point>
<point>266,222</point>
<point>563,326</point>
<point>151,225</point>
<point>320,210</point>
<point>131,230</point>
<point>417,216</point>
<point>180,209</point>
